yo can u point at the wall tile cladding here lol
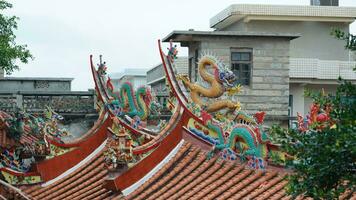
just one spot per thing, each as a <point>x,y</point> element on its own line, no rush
<point>155,73</point>
<point>269,88</point>
<point>62,104</point>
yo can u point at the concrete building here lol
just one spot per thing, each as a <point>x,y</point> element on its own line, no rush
<point>34,84</point>
<point>156,78</point>
<point>136,76</point>
<point>276,52</point>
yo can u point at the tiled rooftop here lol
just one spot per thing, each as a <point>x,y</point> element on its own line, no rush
<point>188,175</point>
<point>86,182</point>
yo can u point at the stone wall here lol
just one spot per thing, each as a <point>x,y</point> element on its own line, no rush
<point>7,102</point>
<point>269,88</point>
<point>64,103</point>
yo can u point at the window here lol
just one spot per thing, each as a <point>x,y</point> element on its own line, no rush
<point>241,65</point>
<point>290,105</point>
<point>164,102</point>
<point>196,55</point>
<point>190,68</point>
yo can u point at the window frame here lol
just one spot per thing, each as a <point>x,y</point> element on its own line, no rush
<point>250,62</point>
<point>190,67</point>
<point>196,60</point>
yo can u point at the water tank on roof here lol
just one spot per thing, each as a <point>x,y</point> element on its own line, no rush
<point>324,2</point>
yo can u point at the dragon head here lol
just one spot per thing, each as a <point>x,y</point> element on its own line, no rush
<point>221,72</point>
<point>224,74</point>
<point>145,93</point>
<point>148,97</point>
<point>227,77</point>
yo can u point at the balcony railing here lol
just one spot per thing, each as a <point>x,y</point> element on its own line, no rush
<point>321,69</point>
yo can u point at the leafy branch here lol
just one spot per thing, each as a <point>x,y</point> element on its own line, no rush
<point>10,51</point>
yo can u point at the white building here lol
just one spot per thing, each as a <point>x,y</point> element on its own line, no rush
<point>316,58</point>
<point>136,76</point>
<point>156,78</point>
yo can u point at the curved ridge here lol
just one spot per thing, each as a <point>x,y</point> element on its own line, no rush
<point>182,99</point>
<point>156,139</point>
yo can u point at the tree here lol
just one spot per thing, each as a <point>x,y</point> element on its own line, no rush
<point>10,52</point>
<point>324,144</point>
<point>350,39</point>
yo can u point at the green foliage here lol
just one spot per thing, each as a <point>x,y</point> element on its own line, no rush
<point>324,151</point>
<point>325,159</point>
<point>10,52</point>
<point>350,40</point>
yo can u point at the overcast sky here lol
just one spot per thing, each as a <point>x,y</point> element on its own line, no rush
<point>62,34</point>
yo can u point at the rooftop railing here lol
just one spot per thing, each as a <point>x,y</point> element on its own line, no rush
<point>321,69</point>
<point>62,102</point>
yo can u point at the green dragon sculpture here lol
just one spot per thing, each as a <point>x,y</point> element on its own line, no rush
<point>131,103</point>
<point>29,134</point>
<point>246,140</point>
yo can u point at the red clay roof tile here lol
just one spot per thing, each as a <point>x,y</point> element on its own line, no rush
<point>188,175</point>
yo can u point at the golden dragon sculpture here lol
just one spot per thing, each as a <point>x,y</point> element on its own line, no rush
<point>221,81</point>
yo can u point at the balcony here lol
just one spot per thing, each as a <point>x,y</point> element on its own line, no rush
<point>321,69</point>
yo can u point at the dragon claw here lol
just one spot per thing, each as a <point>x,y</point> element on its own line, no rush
<point>183,77</point>
<point>234,90</point>
<point>238,106</point>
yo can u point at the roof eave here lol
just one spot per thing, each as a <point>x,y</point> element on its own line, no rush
<point>169,36</point>
<point>186,36</point>
<point>248,18</point>
<point>236,11</point>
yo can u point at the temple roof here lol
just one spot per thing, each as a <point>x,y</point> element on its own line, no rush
<point>85,182</point>
<point>189,175</point>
